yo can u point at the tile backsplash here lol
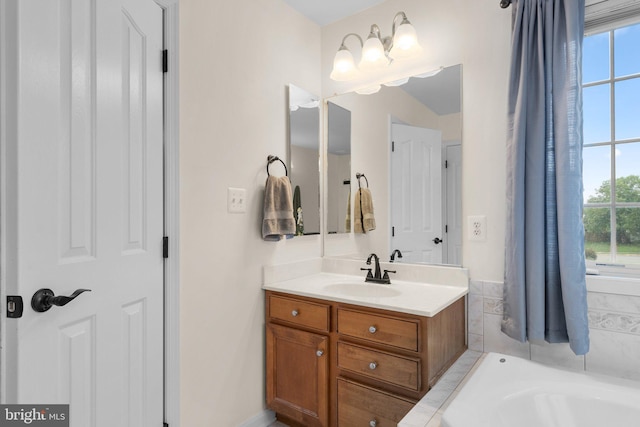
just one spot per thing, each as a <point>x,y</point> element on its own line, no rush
<point>614,328</point>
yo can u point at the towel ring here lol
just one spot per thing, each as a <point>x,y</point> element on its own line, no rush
<point>361,175</point>
<point>271,159</point>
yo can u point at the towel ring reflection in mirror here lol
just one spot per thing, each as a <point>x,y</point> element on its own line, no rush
<point>271,159</point>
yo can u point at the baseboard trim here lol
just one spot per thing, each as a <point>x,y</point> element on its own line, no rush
<point>263,419</point>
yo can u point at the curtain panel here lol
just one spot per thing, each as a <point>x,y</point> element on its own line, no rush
<point>545,297</point>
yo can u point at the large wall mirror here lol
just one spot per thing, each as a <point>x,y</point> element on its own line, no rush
<point>408,141</point>
<point>304,149</point>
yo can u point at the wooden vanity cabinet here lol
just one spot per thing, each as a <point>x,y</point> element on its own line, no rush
<point>340,365</point>
<point>297,360</point>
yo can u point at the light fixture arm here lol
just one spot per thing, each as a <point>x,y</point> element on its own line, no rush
<point>342,45</point>
<point>395,18</point>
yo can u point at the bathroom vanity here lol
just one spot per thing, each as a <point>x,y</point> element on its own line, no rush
<point>346,353</point>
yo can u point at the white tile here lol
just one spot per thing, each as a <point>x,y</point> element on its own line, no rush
<point>475,314</point>
<point>493,305</point>
<point>496,341</point>
<point>475,287</point>
<point>558,355</point>
<point>610,302</point>
<point>427,408</point>
<point>615,354</point>
<point>614,322</point>
<point>493,289</point>
<point>475,342</point>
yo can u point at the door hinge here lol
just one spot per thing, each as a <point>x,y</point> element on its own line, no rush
<point>165,61</point>
<point>14,306</point>
<point>446,164</point>
<point>393,231</point>
<point>446,228</point>
<point>165,247</point>
<point>393,146</point>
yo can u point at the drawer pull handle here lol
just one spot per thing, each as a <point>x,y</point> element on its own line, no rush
<point>373,365</point>
<point>373,423</point>
<point>319,353</point>
<point>295,313</point>
<point>373,329</point>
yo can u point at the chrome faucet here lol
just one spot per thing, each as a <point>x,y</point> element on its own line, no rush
<point>394,253</point>
<point>377,277</point>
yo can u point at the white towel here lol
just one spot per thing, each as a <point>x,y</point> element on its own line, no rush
<point>278,218</point>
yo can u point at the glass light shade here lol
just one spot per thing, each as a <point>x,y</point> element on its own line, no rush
<point>373,56</point>
<point>405,42</point>
<point>344,67</point>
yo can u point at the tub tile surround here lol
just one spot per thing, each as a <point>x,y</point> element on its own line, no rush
<point>614,323</point>
<point>429,409</point>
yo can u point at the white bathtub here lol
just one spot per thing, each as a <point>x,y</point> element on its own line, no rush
<point>506,391</point>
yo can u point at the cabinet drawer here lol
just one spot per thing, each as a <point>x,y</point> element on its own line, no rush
<point>364,406</point>
<point>303,313</point>
<point>387,367</point>
<point>381,329</point>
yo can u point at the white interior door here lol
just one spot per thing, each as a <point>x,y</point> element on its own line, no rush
<point>416,188</point>
<point>453,204</point>
<point>88,211</point>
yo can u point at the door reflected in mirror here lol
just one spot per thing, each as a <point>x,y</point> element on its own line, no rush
<point>304,147</point>
<point>408,141</point>
<point>338,169</point>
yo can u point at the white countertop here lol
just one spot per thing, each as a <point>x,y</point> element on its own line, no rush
<point>422,299</point>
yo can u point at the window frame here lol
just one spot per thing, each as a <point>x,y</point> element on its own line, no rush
<point>612,268</point>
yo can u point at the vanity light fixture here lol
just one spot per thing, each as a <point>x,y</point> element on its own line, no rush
<point>377,51</point>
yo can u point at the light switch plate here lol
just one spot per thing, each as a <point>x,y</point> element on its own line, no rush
<point>236,200</point>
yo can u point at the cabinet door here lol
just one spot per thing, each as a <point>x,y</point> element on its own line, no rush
<point>298,375</point>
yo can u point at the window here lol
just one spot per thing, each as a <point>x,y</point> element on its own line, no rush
<point>611,155</point>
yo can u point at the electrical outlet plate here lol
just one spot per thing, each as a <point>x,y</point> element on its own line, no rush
<point>236,200</point>
<point>477,226</point>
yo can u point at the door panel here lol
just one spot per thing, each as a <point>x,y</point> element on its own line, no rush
<point>89,211</point>
<point>416,211</point>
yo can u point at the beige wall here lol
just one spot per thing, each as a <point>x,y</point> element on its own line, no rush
<point>236,58</point>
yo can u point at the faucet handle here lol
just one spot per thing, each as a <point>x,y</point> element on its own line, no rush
<point>369,275</point>
<point>386,273</point>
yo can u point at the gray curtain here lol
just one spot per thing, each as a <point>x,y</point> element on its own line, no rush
<point>545,295</point>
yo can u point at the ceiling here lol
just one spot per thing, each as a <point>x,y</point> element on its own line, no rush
<point>324,12</point>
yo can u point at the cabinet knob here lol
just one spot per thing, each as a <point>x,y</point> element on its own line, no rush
<point>319,353</point>
<point>373,329</point>
<point>373,365</point>
<point>373,423</point>
<point>294,313</point>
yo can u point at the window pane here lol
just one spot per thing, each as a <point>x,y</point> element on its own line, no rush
<point>597,234</point>
<point>628,235</point>
<point>628,172</point>
<point>595,58</point>
<point>628,109</point>
<point>627,60</point>
<point>596,174</point>
<point>597,114</point>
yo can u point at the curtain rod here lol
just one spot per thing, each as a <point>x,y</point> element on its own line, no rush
<point>505,3</point>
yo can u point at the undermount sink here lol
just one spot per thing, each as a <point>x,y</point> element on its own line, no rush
<point>362,290</point>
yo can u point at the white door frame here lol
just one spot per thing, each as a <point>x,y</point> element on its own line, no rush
<point>8,122</point>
